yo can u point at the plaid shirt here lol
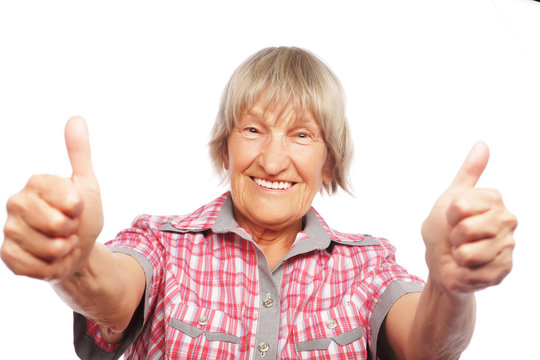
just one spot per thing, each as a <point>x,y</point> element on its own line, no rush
<point>210,293</point>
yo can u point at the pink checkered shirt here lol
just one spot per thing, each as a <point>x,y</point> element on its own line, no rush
<point>211,295</point>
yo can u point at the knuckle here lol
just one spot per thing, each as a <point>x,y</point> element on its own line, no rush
<point>465,256</point>
<point>10,229</point>
<point>508,264</point>
<point>497,275</point>
<point>14,204</point>
<point>52,251</point>
<point>14,234</point>
<point>499,279</point>
<point>460,204</point>
<point>74,201</point>
<point>55,224</point>
<point>495,195</point>
<point>510,221</point>
<point>10,259</point>
<point>60,248</point>
<point>469,258</point>
<point>510,243</point>
<point>10,254</point>
<point>34,182</point>
<point>4,253</point>
<point>464,229</point>
<point>500,276</point>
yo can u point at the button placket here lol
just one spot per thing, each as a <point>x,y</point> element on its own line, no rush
<point>267,333</point>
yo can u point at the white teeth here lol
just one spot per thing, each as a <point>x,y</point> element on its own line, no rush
<point>273,184</point>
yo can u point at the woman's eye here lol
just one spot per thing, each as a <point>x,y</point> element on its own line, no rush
<point>303,137</point>
<point>251,132</point>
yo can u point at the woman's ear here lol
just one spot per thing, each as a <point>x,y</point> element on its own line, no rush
<point>328,171</point>
<point>225,156</point>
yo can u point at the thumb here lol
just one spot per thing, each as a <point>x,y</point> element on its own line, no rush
<point>472,167</point>
<point>78,147</point>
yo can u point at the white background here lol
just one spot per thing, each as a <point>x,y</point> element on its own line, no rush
<point>424,79</point>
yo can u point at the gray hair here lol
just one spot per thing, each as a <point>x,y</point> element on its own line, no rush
<point>292,74</point>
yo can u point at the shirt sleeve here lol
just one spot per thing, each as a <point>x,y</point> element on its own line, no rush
<point>389,281</point>
<point>143,244</point>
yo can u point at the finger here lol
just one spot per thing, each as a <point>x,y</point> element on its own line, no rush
<point>44,218</point>
<point>477,227</point>
<point>78,147</point>
<point>49,249</point>
<point>488,275</point>
<point>473,166</point>
<point>472,202</point>
<point>476,254</point>
<point>58,192</point>
<point>24,263</point>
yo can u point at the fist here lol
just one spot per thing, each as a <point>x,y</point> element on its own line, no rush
<point>53,222</point>
<point>469,232</point>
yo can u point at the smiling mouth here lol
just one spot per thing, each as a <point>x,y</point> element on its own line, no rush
<point>275,185</point>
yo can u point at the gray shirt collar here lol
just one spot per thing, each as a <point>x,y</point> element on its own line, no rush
<point>318,237</point>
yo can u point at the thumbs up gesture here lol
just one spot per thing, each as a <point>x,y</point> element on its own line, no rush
<point>469,232</point>
<point>53,222</point>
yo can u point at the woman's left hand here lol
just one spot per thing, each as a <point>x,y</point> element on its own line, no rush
<point>469,232</point>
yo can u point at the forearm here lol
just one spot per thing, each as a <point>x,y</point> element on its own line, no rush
<point>443,324</point>
<point>104,291</point>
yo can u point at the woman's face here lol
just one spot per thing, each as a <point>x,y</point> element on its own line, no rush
<point>277,163</point>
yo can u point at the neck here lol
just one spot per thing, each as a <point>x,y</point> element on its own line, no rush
<point>274,241</point>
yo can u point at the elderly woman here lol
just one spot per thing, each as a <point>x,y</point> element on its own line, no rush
<point>257,273</point>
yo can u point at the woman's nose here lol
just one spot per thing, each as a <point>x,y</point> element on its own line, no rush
<point>274,157</point>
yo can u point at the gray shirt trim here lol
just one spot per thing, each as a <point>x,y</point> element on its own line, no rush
<point>193,332</point>
<point>322,344</point>
<point>393,292</point>
<point>225,221</point>
<point>148,272</point>
<point>86,348</point>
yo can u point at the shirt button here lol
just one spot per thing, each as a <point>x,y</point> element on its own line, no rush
<point>331,323</point>
<point>263,347</point>
<point>203,320</point>
<point>268,303</point>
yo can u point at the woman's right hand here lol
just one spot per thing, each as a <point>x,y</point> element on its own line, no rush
<point>52,224</point>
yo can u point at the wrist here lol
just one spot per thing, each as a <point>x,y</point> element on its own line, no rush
<point>438,289</point>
